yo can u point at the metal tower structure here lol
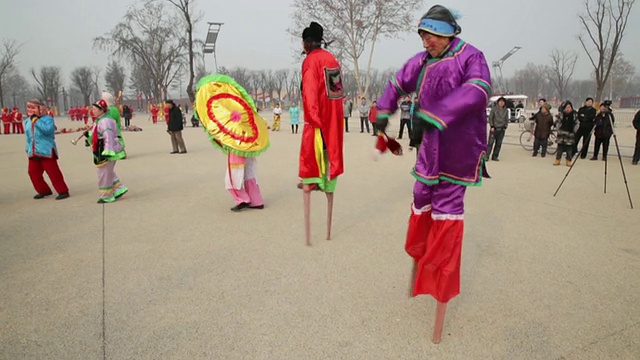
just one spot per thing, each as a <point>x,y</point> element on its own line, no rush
<point>210,42</point>
<point>497,65</point>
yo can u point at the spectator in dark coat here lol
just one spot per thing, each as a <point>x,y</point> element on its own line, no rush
<point>604,129</point>
<point>174,128</point>
<point>636,125</point>
<point>126,113</point>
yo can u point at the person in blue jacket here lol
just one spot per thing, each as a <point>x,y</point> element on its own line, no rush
<point>40,133</point>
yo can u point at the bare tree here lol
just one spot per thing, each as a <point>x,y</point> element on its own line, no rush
<point>148,38</point>
<point>533,81</point>
<point>605,23</point>
<point>190,18</point>
<point>356,26</point>
<point>48,83</point>
<point>115,77</point>
<point>620,78</point>
<point>255,78</point>
<point>18,88</point>
<point>10,50</point>
<point>268,86</point>
<point>563,63</point>
<point>82,79</point>
<point>280,81</point>
<point>141,82</point>
<point>293,86</point>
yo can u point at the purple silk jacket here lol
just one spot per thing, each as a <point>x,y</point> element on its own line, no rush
<point>454,91</point>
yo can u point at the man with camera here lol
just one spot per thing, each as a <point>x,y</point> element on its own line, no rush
<point>603,130</point>
<point>586,116</point>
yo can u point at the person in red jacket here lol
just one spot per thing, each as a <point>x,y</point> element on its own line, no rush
<point>166,114</point>
<point>18,128</point>
<point>6,121</point>
<point>154,114</point>
<point>321,158</point>
<point>85,114</point>
<point>373,113</point>
<point>72,113</point>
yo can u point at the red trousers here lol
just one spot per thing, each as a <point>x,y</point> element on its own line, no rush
<point>7,128</point>
<point>37,167</point>
<point>18,128</point>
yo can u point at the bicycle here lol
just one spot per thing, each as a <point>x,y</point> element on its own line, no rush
<point>527,139</point>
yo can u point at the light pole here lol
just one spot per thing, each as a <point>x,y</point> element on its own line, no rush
<point>64,100</point>
<point>210,42</point>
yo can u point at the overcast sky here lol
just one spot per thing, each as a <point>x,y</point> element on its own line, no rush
<point>60,32</point>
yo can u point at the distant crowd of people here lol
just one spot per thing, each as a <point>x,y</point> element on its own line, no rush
<point>574,129</point>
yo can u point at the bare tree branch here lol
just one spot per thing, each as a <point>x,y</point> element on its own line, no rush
<point>605,25</point>
<point>10,50</point>
<point>355,26</point>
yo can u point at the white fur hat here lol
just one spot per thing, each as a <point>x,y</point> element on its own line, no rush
<point>108,97</point>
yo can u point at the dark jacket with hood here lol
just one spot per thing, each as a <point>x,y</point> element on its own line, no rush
<point>175,119</point>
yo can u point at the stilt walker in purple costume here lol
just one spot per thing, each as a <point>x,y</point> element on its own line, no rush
<point>452,82</point>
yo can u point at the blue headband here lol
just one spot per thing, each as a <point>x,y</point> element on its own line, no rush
<point>437,27</point>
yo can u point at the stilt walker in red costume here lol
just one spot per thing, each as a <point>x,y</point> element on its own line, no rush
<point>85,114</point>
<point>154,114</point>
<point>18,127</point>
<point>6,121</point>
<point>453,85</point>
<point>322,136</point>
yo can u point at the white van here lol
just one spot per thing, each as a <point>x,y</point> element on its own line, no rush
<point>512,101</point>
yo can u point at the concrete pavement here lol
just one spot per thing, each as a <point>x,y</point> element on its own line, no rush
<point>542,277</point>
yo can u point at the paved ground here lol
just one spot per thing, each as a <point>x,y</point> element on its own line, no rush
<point>543,277</point>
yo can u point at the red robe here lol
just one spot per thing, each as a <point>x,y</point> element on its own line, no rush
<point>322,95</point>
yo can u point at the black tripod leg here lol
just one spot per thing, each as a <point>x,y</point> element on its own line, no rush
<point>571,168</point>
<point>565,177</point>
<point>624,175</point>
<point>605,172</point>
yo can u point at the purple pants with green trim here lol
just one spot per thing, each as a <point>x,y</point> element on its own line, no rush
<point>444,197</point>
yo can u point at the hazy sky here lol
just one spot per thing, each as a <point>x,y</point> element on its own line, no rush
<point>60,32</point>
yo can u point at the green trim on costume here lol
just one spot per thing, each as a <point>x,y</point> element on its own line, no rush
<point>450,180</point>
<point>422,180</point>
<point>328,186</point>
<point>430,120</point>
<point>382,116</point>
<point>483,84</point>
<point>394,80</point>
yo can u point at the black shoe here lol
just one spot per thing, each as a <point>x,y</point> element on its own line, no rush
<point>259,207</point>
<point>494,159</point>
<point>583,157</point>
<point>173,152</point>
<point>240,207</point>
<point>62,196</point>
<point>183,152</point>
<point>634,163</point>
<point>534,155</point>
<point>593,158</point>
<point>543,155</point>
<point>41,196</point>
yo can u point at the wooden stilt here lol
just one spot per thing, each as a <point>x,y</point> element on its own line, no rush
<point>329,214</point>
<point>441,309</point>
<point>412,280</point>
<point>306,193</point>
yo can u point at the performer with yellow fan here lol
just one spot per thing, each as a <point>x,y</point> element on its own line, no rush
<point>230,118</point>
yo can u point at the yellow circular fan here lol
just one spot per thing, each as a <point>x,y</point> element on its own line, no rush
<point>229,115</point>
